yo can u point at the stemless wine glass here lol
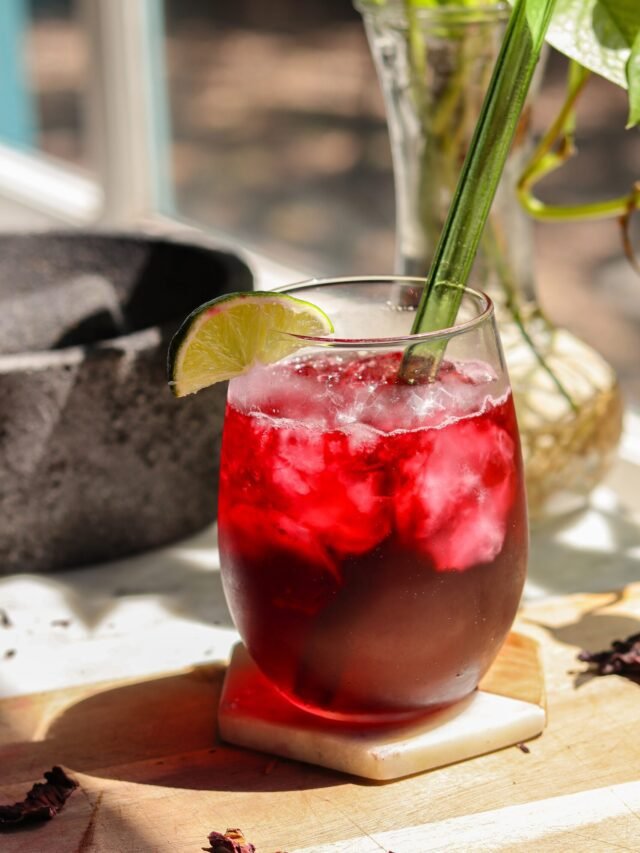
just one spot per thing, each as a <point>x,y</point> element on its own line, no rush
<point>373,531</point>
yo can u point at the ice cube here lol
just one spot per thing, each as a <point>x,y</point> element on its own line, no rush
<point>454,495</point>
<point>333,484</point>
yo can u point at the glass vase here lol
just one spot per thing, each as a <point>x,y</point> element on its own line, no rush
<point>434,65</point>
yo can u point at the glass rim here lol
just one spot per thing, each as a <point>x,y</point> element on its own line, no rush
<point>458,12</point>
<point>487,312</point>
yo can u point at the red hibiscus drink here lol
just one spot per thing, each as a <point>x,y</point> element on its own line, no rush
<point>373,531</point>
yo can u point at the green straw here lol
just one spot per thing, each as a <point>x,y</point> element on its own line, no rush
<point>478,181</point>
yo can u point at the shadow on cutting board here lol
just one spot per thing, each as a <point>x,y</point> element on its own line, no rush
<point>161,731</point>
<point>595,630</point>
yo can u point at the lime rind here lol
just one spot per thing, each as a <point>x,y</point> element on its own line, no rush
<point>225,337</point>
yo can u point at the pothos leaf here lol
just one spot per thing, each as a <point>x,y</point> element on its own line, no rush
<point>604,36</point>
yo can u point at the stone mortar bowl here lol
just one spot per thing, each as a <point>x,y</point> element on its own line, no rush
<point>97,458</point>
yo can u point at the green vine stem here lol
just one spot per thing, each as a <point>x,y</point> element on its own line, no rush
<point>493,250</point>
<point>553,150</point>
<point>416,46</point>
<point>557,144</point>
<point>478,181</point>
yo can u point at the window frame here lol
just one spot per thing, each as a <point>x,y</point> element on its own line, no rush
<point>127,127</point>
<point>129,138</point>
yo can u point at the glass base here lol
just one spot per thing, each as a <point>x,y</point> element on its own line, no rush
<point>379,719</point>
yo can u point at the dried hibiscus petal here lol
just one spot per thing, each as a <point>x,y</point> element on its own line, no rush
<point>43,801</point>
<point>232,841</point>
<point>623,658</point>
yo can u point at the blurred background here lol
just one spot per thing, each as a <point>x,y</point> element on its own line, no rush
<point>267,125</point>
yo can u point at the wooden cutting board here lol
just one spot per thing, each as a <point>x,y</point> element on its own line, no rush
<point>154,777</point>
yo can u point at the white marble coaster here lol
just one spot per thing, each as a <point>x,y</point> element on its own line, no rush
<point>252,714</point>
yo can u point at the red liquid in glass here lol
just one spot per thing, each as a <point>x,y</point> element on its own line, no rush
<point>373,535</point>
